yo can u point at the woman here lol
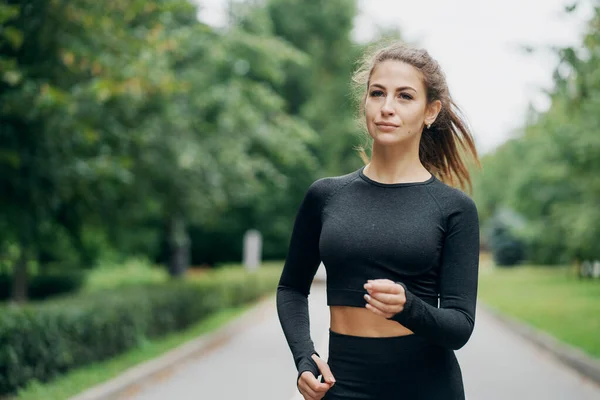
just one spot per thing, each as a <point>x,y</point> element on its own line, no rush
<point>394,237</point>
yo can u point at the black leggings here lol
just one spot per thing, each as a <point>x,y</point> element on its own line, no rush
<point>394,368</point>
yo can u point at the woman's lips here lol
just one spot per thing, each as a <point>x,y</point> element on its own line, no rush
<point>386,127</point>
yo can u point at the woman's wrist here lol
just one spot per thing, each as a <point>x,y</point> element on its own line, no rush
<point>407,302</point>
<point>308,364</point>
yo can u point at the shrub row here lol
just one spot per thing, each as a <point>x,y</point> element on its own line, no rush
<point>41,341</point>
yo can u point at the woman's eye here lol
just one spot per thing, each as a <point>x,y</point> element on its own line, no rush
<point>376,93</point>
<point>406,96</point>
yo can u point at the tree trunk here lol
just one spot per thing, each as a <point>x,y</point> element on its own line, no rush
<point>179,246</point>
<point>19,287</point>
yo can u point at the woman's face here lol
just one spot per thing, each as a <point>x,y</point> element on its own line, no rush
<point>396,106</point>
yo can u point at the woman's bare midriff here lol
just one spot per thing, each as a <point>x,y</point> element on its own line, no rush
<point>358,321</point>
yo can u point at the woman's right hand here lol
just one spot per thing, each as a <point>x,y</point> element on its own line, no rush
<point>310,387</point>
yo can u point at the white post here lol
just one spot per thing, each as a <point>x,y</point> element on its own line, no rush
<point>252,249</point>
<point>586,269</point>
<point>596,270</point>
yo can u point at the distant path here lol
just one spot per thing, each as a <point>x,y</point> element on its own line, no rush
<point>257,364</point>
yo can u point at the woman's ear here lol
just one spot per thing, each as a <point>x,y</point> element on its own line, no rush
<point>432,111</point>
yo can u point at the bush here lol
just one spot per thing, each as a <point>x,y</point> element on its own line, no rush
<point>45,285</point>
<point>131,272</point>
<point>507,248</point>
<point>44,340</point>
<point>508,251</point>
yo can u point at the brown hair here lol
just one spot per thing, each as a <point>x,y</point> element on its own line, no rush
<point>443,146</point>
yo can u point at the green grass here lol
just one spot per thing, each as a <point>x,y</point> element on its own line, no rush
<point>551,299</point>
<point>81,379</point>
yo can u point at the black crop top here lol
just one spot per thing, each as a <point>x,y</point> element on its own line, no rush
<point>423,235</point>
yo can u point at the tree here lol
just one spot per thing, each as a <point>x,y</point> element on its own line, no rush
<point>549,173</point>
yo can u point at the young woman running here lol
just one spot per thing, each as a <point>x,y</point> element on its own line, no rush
<point>399,242</point>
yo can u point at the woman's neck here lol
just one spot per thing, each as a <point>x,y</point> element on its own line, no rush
<point>396,165</point>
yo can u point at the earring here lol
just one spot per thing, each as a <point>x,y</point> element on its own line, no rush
<point>428,126</point>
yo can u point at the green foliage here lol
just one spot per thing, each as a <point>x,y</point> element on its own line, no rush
<point>44,340</point>
<point>507,248</point>
<point>548,173</point>
<point>132,128</point>
<point>315,91</point>
<point>47,285</point>
<point>122,124</point>
<point>321,92</point>
<point>133,272</point>
<point>42,286</point>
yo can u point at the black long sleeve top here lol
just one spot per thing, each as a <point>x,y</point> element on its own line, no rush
<point>423,235</point>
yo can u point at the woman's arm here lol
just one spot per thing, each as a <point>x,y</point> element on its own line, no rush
<point>300,266</point>
<point>450,325</point>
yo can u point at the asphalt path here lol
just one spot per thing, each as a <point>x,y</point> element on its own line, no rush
<point>256,364</point>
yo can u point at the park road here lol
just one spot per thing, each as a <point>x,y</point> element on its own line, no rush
<point>257,364</point>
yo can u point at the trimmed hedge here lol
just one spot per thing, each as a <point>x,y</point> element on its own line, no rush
<point>44,340</point>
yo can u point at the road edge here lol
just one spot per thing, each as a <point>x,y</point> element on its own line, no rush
<point>569,355</point>
<point>134,377</point>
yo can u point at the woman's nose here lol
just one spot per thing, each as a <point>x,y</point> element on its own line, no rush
<point>387,108</point>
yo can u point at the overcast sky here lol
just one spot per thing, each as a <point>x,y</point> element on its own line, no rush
<point>478,45</point>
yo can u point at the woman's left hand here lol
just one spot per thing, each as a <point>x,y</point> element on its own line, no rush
<point>385,298</point>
